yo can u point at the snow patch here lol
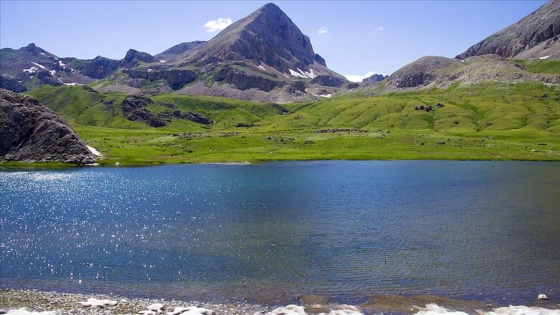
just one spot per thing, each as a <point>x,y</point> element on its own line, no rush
<point>42,53</point>
<point>60,63</point>
<point>295,74</point>
<point>326,95</point>
<point>309,74</point>
<point>262,67</point>
<point>38,65</point>
<point>162,61</point>
<point>300,310</point>
<point>72,84</point>
<point>516,310</point>
<point>53,72</point>
<point>302,74</point>
<point>545,57</point>
<point>31,70</point>
<point>94,151</point>
<point>434,309</point>
<point>24,311</point>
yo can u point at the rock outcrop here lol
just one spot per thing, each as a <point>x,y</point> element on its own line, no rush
<point>99,67</point>
<point>134,108</point>
<point>31,132</point>
<point>375,78</point>
<point>11,84</point>
<point>328,80</point>
<point>176,78</point>
<point>243,80</point>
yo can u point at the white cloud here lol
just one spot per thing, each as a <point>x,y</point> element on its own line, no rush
<point>217,25</point>
<point>378,29</point>
<point>323,30</point>
<point>357,77</point>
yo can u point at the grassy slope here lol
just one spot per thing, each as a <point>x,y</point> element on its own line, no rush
<point>490,121</point>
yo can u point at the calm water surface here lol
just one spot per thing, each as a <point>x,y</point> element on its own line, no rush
<point>268,232</point>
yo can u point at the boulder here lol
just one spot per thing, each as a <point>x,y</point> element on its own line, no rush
<point>31,132</point>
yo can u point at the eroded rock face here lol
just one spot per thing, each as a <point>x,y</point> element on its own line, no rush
<point>244,81</point>
<point>328,80</point>
<point>535,28</point>
<point>30,132</point>
<point>176,78</point>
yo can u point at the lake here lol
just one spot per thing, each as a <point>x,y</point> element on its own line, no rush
<point>268,232</point>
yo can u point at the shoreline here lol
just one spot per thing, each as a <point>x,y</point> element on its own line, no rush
<point>33,302</point>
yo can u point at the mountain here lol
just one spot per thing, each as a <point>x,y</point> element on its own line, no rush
<point>525,51</point>
<point>262,57</point>
<point>534,36</point>
<point>31,132</point>
<point>441,72</point>
<point>32,66</point>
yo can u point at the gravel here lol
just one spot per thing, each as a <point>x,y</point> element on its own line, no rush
<point>66,303</point>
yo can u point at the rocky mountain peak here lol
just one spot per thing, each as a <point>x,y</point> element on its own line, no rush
<point>266,36</point>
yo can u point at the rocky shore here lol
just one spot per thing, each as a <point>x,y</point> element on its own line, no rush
<point>27,302</point>
<point>77,304</point>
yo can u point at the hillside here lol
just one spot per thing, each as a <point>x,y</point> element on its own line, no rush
<point>440,72</point>
<point>489,121</point>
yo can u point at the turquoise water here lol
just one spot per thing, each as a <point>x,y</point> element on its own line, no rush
<point>268,232</point>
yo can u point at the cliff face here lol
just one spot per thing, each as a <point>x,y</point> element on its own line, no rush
<point>30,132</point>
<point>541,26</point>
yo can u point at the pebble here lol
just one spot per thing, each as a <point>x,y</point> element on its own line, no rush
<point>54,303</point>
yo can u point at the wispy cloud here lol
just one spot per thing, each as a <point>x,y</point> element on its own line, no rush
<point>323,30</point>
<point>378,29</point>
<point>357,77</point>
<point>217,25</point>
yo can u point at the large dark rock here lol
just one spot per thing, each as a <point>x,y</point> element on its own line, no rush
<point>244,81</point>
<point>328,80</point>
<point>30,132</point>
<point>375,78</point>
<point>134,109</point>
<point>99,67</point>
<point>11,84</point>
<point>176,78</point>
<point>47,78</point>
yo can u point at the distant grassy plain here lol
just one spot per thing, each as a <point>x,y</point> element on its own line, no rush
<point>484,122</point>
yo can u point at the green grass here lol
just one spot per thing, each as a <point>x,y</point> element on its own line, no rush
<point>547,66</point>
<point>484,122</point>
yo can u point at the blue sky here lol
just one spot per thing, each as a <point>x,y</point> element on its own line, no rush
<point>354,37</point>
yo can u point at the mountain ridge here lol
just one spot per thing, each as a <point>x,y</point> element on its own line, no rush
<point>540,26</point>
<point>265,57</point>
